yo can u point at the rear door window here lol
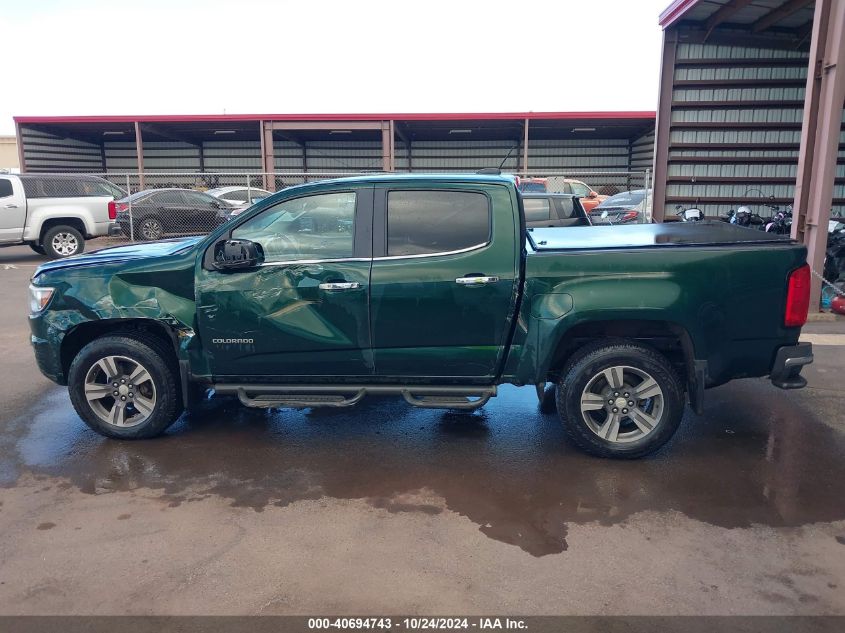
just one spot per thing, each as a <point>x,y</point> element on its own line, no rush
<point>428,222</point>
<point>5,188</point>
<point>566,208</point>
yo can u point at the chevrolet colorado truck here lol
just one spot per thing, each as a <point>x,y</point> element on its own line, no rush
<point>428,287</point>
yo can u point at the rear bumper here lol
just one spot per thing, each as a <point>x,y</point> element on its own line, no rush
<point>786,370</point>
<point>115,230</point>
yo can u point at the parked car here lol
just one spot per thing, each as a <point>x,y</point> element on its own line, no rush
<point>553,209</point>
<point>424,287</point>
<point>239,196</point>
<point>158,212</point>
<point>589,197</point>
<point>628,207</point>
<point>55,214</point>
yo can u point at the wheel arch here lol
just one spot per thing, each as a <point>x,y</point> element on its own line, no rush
<point>80,335</point>
<point>73,222</point>
<point>671,339</point>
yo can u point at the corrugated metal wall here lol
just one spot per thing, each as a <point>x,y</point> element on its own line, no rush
<point>642,152</point>
<point>736,127</point>
<point>45,152</point>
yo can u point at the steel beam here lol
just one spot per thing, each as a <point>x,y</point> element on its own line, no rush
<point>825,94</point>
<point>723,14</point>
<point>388,155</point>
<point>21,155</point>
<point>776,15</point>
<point>525,145</point>
<point>326,125</point>
<point>139,153</point>
<point>268,156</point>
<point>663,125</point>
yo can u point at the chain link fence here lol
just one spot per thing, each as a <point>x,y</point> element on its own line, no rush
<point>156,205</point>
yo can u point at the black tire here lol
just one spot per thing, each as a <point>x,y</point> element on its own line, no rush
<point>37,248</point>
<point>587,367</point>
<point>149,229</point>
<point>59,241</point>
<point>159,362</point>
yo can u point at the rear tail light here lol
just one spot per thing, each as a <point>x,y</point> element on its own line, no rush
<point>797,297</point>
<point>115,208</point>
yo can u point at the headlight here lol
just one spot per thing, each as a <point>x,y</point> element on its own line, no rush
<point>39,297</point>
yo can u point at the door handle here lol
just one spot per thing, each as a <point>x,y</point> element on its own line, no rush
<point>11,206</point>
<point>340,285</point>
<point>476,281</point>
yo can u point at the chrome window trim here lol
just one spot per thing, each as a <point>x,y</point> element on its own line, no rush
<point>335,260</point>
<point>438,254</point>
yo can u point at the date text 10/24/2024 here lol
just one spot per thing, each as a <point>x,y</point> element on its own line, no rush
<point>418,623</point>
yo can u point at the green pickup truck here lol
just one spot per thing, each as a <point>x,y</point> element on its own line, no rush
<point>428,287</point>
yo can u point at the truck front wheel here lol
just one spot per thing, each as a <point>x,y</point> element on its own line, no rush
<point>125,386</point>
<point>620,399</point>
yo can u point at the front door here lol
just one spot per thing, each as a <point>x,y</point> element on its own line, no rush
<point>444,281</point>
<point>12,209</point>
<point>304,312</point>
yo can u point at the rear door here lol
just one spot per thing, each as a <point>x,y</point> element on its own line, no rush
<point>12,209</point>
<point>202,212</point>
<point>444,279</point>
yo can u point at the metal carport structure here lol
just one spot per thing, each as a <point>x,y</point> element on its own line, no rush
<point>751,109</point>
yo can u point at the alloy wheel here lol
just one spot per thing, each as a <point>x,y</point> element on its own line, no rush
<point>622,404</point>
<point>151,229</point>
<point>120,391</point>
<point>65,244</point>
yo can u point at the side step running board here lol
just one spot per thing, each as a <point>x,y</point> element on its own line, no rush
<point>308,396</point>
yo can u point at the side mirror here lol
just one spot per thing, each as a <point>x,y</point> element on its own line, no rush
<point>604,215</point>
<point>215,204</point>
<point>237,255</point>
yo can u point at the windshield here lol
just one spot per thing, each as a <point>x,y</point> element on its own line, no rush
<point>624,199</point>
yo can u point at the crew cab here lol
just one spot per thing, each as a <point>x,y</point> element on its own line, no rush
<point>430,288</point>
<point>55,213</point>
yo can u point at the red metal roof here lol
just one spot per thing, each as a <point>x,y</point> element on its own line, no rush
<point>675,10</point>
<point>440,116</point>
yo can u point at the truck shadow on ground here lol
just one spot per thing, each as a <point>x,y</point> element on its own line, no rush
<point>757,456</point>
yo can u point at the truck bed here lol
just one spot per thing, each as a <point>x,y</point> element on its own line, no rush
<point>669,234</point>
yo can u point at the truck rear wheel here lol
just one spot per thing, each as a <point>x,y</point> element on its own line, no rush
<point>125,386</point>
<point>620,399</point>
<point>62,241</point>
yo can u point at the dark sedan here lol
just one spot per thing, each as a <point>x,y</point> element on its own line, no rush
<point>156,213</point>
<point>628,207</point>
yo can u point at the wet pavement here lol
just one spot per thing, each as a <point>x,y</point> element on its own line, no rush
<point>394,509</point>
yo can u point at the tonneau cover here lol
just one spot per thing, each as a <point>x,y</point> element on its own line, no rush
<point>707,233</point>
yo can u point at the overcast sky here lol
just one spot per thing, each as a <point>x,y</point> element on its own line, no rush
<point>90,57</point>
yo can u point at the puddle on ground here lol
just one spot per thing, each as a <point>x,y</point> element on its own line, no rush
<point>757,456</point>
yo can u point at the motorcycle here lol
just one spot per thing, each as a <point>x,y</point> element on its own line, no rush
<point>781,223</point>
<point>692,214</point>
<point>744,216</point>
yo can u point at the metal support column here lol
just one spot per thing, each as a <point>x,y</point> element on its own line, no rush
<point>21,155</point>
<point>820,132</point>
<point>663,125</point>
<point>268,156</point>
<point>525,146</point>
<point>388,154</point>
<point>139,153</point>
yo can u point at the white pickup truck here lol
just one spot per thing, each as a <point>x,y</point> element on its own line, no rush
<point>55,214</point>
